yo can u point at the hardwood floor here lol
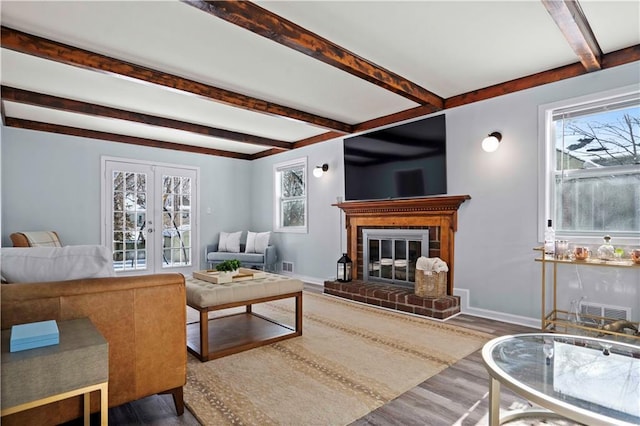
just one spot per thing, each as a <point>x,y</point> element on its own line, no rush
<point>455,396</point>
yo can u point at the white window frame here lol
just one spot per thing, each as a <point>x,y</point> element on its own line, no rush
<point>277,200</point>
<point>546,162</point>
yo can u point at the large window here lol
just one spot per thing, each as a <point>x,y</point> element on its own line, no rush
<point>592,166</point>
<point>291,196</point>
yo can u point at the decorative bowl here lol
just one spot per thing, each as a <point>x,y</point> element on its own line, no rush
<point>581,253</point>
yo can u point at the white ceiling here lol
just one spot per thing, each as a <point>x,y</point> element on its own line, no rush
<point>447,47</point>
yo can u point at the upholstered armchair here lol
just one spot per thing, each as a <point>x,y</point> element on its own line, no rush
<point>36,239</point>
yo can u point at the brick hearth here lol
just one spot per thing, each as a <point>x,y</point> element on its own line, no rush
<point>394,297</point>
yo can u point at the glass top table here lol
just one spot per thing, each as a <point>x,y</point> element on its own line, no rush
<point>589,380</point>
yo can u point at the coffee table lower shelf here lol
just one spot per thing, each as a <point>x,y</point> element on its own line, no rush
<point>236,333</point>
<point>226,335</point>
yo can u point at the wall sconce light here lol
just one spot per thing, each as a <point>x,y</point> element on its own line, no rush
<point>320,170</point>
<point>491,142</point>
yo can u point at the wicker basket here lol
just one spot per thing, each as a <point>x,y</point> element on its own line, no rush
<point>431,285</point>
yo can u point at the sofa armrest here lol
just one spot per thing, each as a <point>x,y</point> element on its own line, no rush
<point>270,257</point>
<point>212,248</point>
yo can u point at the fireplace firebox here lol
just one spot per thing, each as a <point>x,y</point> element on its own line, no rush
<point>390,255</point>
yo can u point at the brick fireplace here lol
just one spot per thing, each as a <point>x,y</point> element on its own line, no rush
<point>436,215</point>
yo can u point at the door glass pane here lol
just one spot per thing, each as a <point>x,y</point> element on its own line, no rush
<point>129,220</point>
<point>176,222</point>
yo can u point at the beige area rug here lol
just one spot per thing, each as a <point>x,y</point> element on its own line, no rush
<point>351,359</point>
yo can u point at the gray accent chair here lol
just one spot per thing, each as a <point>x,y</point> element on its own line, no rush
<point>266,261</point>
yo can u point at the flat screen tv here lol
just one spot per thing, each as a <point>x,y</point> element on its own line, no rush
<point>405,161</point>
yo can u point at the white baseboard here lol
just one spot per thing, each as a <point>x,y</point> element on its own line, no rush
<point>305,279</point>
<point>465,308</point>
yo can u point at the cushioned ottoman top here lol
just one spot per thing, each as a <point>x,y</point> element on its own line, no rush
<point>203,294</point>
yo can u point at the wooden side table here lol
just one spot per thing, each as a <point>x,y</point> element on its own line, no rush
<point>78,365</point>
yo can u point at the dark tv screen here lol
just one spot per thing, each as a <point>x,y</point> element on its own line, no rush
<point>405,161</point>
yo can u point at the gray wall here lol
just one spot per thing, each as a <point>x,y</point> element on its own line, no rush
<point>52,182</point>
<point>495,270</point>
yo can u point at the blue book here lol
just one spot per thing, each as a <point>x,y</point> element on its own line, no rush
<point>34,335</point>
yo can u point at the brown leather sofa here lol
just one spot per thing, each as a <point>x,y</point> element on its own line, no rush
<point>143,319</point>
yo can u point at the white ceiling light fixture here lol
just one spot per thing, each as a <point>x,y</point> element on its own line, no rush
<point>492,141</point>
<point>320,170</point>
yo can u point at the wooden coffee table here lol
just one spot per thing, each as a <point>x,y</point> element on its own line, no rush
<point>214,338</point>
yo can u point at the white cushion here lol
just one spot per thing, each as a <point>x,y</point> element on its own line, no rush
<point>257,242</point>
<point>40,264</point>
<point>262,241</point>
<point>250,245</point>
<point>229,241</point>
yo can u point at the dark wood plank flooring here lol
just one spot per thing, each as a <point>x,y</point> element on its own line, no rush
<point>456,396</point>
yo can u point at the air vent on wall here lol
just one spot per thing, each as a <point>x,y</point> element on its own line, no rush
<point>608,311</point>
<point>287,267</point>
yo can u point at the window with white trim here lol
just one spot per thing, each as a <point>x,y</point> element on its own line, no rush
<point>291,196</point>
<point>591,158</point>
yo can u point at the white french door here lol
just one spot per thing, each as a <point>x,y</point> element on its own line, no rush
<point>150,216</point>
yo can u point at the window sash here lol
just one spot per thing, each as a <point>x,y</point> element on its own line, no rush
<point>552,172</point>
<point>280,200</point>
<point>596,172</point>
<point>604,105</point>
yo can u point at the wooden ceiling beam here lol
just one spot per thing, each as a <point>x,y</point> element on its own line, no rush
<point>69,105</point>
<point>69,55</point>
<point>573,24</point>
<point>394,118</point>
<point>316,139</point>
<point>254,18</point>
<point>266,153</point>
<point>114,137</point>
<point>621,57</point>
<point>609,60</point>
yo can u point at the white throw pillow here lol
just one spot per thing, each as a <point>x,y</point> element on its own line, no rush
<point>229,242</point>
<point>41,264</point>
<point>250,245</point>
<point>257,242</point>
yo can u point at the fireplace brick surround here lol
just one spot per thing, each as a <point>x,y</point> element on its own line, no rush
<point>439,214</point>
<point>395,297</point>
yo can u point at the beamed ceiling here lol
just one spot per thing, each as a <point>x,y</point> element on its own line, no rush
<point>251,79</point>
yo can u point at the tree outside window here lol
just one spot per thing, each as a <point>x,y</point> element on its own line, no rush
<point>291,196</point>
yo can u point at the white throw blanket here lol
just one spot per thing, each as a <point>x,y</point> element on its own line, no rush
<point>431,265</point>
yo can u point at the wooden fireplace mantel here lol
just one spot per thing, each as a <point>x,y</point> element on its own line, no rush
<point>441,211</point>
